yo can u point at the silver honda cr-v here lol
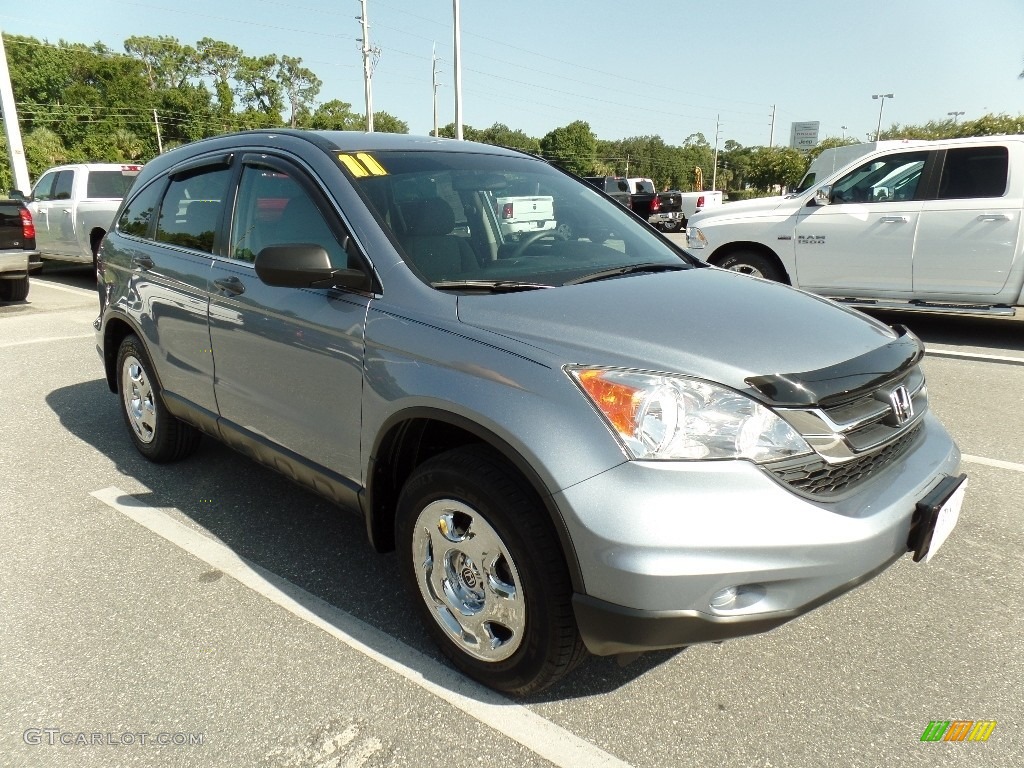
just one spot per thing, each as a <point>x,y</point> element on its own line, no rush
<point>577,438</point>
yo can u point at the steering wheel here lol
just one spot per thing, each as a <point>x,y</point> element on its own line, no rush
<point>533,237</point>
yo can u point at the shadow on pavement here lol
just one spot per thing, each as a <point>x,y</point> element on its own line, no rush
<point>290,532</point>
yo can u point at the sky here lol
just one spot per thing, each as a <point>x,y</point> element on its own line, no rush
<point>716,67</point>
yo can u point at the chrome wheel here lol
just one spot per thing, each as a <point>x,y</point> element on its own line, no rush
<point>139,404</point>
<point>468,579</point>
<point>746,269</point>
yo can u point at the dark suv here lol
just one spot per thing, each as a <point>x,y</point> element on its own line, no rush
<point>587,443</point>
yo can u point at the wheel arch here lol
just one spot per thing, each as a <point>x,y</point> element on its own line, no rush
<point>412,436</point>
<point>114,332</point>
<point>751,246</point>
<point>96,235</point>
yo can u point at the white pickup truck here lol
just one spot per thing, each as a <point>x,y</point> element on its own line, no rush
<point>524,214</point>
<point>926,226</point>
<point>73,206</point>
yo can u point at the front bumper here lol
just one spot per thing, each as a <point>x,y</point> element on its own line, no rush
<point>660,543</point>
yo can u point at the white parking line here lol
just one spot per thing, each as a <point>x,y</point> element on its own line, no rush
<point>46,339</point>
<point>999,463</point>
<point>65,288</point>
<point>956,354</point>
<point>541,736</point>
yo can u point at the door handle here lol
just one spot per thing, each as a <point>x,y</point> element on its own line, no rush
<point>993,217</point>
<point>230,285</point>
<point>893,219</point>
<point>142,262</point>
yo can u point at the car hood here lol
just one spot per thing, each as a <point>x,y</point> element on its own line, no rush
<point>707,323</point>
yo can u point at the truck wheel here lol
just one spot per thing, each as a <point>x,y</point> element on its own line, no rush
<point>157,435</point>
<point>673,226</point>
<point>14,290</point>
<point>486,571</point>
<point>566,230</point>
<point>750,263</point>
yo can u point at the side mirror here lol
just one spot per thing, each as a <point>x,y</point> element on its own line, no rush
<point>823,195</point>
<point>305,265</point>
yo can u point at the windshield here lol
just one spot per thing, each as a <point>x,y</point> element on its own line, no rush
<point>464,219</point>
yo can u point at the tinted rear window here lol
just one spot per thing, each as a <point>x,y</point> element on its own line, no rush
<point>109,184</point>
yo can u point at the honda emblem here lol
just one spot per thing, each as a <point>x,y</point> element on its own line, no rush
<point>901,404</point>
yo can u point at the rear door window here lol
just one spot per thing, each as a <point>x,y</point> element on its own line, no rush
<point>192,208</point>
<point>971,172</point>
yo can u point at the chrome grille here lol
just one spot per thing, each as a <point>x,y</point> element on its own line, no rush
<point>817,477</point>
<point>853,438</point>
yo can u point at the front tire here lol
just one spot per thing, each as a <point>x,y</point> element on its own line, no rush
<point>753,264</point>
<point>158,435</point>
<point>484,566</point>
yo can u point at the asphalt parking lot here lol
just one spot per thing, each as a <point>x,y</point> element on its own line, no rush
<point>211,613</point>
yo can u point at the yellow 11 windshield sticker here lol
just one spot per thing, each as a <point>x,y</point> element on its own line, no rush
<point>361,164</point>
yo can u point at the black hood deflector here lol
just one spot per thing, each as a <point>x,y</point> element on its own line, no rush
<point>829,386</point>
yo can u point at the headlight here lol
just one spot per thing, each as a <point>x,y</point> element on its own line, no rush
<point>658,416</point>
<point>695,238</point>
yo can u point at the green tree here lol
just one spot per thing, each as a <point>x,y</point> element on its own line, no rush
<point>573,147</point>
<point>386,123</point>
<point>775,166</point>
<point>501,135</point>
<point>43,149</point>
<point>300,86</point>
<point>334,115</point>
<point>219,61</point>
<point>168,63</point>
<point>259,91</point>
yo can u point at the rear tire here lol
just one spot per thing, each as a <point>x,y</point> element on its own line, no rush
<point>14,290</point>
<point>753,264</point>
<point>672,226</point>
<point>486,571</point>
<point>158,435</point>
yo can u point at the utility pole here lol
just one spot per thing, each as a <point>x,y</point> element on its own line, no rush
<point>435,72</point>
<point>159,142</point>
<point>771,135</point>
<point>15,149</point>
<point>714,173</point>
<point>368,54</point>
<point>458,69</point>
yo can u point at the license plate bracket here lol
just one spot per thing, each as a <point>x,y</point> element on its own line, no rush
<point>935,517</point>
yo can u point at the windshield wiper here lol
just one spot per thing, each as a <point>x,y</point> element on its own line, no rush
<point>496,286</point>
<point>629,269</point>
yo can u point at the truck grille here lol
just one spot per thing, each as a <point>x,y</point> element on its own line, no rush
<point>855,438</point>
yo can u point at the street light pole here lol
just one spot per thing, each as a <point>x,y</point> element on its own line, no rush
<point>844,131</point>
<point>458,68</point>
<point>883,97</point>
<point>954,115</point>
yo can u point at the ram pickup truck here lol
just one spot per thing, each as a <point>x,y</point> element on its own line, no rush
<point>18,254</point>
<point>73,206</point>
<point>524,214</point>
<point>924,226</point>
